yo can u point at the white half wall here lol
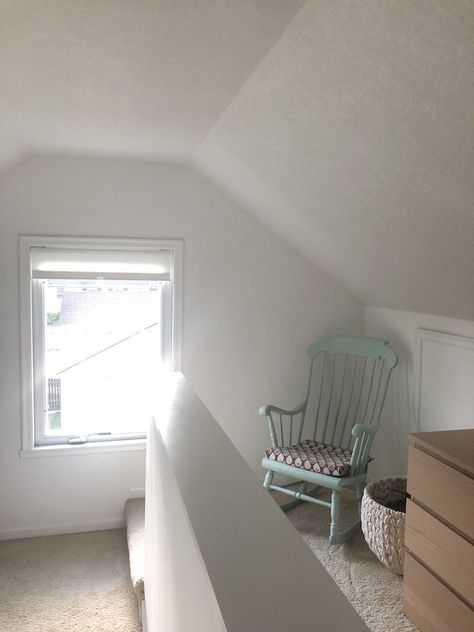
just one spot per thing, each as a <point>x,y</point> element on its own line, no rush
<point>208,564</point>
<point>252,305</point>
<point>399,416</point>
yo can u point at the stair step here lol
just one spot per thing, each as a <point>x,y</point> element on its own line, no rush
<point>135,520</point>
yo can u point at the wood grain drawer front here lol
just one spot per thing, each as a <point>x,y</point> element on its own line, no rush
<point>430,605</point>
<point>449,555</point>
<point>445,491</point>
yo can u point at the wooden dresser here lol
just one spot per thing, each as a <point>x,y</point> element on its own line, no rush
<point>438,585</point>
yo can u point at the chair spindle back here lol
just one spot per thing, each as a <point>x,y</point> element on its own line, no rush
<point>348,382</point>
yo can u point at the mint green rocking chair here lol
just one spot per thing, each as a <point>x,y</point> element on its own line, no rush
<point>326,440</point>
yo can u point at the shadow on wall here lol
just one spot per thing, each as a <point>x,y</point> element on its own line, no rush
<point>397,420</point>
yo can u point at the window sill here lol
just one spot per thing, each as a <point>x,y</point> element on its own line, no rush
<point>87,448</point>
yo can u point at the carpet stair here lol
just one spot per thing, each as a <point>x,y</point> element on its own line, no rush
<point>135,521</point>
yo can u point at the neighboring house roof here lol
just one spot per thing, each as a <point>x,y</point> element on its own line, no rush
<point>112,311</point>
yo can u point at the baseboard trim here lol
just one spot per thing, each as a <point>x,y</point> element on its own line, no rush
<point>60,529</point>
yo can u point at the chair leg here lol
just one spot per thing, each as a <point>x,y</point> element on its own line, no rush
<point>335,511</point>
<point>336,536</point>
<point>360,493</point>
<point>268,480</point>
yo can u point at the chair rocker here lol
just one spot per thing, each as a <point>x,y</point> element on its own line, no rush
<point>348,382</point>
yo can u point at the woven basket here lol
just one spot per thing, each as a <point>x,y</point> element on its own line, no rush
<point>384,528</point>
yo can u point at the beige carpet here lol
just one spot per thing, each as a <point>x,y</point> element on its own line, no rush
<point>67,583</point>
<point>374,591</point>
<point>81,582</point>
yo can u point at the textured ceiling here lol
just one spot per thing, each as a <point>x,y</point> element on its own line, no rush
<point>145,79</point>
<point>347,126</point>
<point>354,139</point>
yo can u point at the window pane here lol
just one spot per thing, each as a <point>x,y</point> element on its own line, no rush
<point>102,355</point>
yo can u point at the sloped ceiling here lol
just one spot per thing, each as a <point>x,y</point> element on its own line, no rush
<point>354,139</point>
<point>128,78</point>
<point>347,126</point>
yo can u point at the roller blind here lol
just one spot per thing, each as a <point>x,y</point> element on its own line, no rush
<point>76,263</point>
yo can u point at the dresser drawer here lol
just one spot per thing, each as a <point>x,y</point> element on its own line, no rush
<point>430,605</point>
<point>445,491</point>
<point>449,555</point>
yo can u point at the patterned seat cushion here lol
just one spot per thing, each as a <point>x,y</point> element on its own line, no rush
<point>314,456</point>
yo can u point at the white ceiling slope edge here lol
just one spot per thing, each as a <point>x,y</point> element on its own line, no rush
<point>115,78</point>
<point>346,127</point>
<point>354,140</point>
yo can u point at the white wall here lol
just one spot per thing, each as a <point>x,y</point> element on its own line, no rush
<point>174,565</point>
<point>398,419</point>
<point>252,306</point>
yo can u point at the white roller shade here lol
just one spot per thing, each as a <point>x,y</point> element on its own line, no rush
<point>75,263</point>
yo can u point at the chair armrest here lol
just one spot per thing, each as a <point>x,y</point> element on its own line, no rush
<point>360,429</point>
<point>269,408</point>
<point>360,453</point>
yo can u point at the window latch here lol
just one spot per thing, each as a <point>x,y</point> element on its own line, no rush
<point>77,440</point>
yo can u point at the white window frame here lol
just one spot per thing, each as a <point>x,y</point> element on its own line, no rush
<point>28,338</point>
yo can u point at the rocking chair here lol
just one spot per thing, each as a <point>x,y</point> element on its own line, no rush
<point>348,381</point>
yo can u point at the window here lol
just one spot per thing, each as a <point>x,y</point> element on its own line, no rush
<point>100,323</point>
